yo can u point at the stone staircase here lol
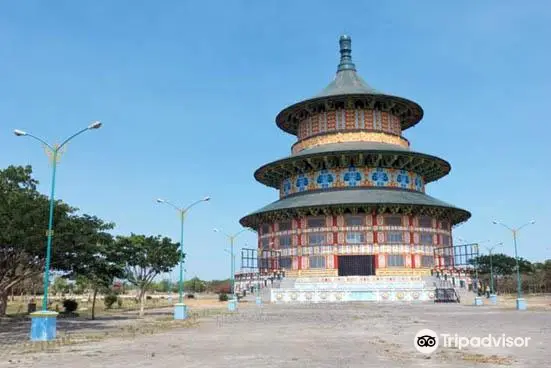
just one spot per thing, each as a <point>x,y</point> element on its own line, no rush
<point>352,288</point>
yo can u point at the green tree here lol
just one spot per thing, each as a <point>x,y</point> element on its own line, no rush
<point>100,265</point>
<point>60,286</point>
<point>145,258</point>
<point>23,220</point>
<point>195,285</point>
<point>502,265</point>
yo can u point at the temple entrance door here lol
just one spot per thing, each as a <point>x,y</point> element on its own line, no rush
<point>356,265</point>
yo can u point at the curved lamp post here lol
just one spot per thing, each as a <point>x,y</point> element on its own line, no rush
<point>232,303</point>
<point>521,303</point>
<point>180,310</point>
<point>43,326</point>
<point>493,297</point>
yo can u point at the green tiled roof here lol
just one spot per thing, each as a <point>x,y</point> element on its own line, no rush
<point>361,197</point>
<point>349,88</point>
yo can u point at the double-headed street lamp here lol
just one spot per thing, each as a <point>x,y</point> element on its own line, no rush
<point>232,302</point>
<point>180,311</point>
<point>44,323</point>
<point>521,303</point>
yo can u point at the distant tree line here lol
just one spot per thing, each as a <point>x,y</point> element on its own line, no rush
<point>535,277</point>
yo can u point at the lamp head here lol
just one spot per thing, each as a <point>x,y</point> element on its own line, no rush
<point>95,125</point>
<point>532,222</point>
<point>216,230</point>
<point>206,199</point>
<point>159,200</point>
<point>495,222</point>
<point>19,133</point>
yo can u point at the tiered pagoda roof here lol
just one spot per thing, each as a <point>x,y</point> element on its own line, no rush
<point>349,91</point>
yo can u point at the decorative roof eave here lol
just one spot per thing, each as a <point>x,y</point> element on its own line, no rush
<point>409,112</point>
<point>431,168</point>
<point>455,216</point>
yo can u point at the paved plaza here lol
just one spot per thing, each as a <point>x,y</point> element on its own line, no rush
<point>338,335</point>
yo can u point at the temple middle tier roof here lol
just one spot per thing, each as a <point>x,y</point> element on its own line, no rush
<point>358,155</point>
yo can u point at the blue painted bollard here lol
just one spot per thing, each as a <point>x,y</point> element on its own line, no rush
<point>180,311</point>
<point>232,305</point>
<point>521,304</point>
<point>478,301</point>
<point>258,300</point>
<point>43,326</point>
<point>493,299</point>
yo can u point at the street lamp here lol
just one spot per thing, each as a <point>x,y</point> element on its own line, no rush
<point>180,310</point>
<point>232,303</point>
<point>476,245</point>
<point>43,326</point>
<point>493,297</point>
<point>521,303</point>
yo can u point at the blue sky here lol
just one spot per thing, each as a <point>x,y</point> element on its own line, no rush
<point>188,93</point>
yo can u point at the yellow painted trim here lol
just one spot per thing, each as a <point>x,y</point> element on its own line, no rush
<point>46,314</point>
<point>342,137</point>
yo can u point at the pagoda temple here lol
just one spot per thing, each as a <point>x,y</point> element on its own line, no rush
<point>352,194</point>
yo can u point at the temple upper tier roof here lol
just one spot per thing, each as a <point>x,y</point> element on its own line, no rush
<point>348,89</point>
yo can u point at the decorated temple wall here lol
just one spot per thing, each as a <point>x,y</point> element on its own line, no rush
<point>352,177</point>
<point>348,137</point>
<point>313,244</point>
<point>349,125</point>
<point>349,119</point>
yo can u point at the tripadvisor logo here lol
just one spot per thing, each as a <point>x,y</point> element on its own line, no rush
<point>426,341</point>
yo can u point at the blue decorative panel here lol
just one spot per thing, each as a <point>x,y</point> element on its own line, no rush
<point>352,177</point>
<point>379,177</point>
<point>325,179</point>
<point>302,183</point>
<point>403,179</point>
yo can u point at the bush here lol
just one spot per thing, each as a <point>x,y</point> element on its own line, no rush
<point>119,302</point>
<point>190,296</point>
<point>109,300</point>
<point>70,305</point>
<point>223,297</point>
<point>149,297</point>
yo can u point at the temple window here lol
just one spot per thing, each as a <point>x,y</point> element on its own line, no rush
<point>445,225</point>
<point>265,243</point>
<point>265,229</point>
<point>284,225</point>
<point>316,238</point>
<point>426,238</point>
<point>285,241</point>
<point>355,237</point>
<point>445,240</point>
<point>317,262</point>
<point>340,116</point>
<point>395,237</point>
<point>354,220</point>
<point>323,122</point>
<point>427,261</point>
<point>393,220</point>
<point>395,260</point>
<point>316,222</point>
<point>285,262</point>
<point>425,221</point>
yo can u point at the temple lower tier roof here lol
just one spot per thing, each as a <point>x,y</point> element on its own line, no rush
<point>356,200</point>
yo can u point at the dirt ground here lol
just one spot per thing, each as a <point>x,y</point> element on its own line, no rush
<point>322,335</point>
